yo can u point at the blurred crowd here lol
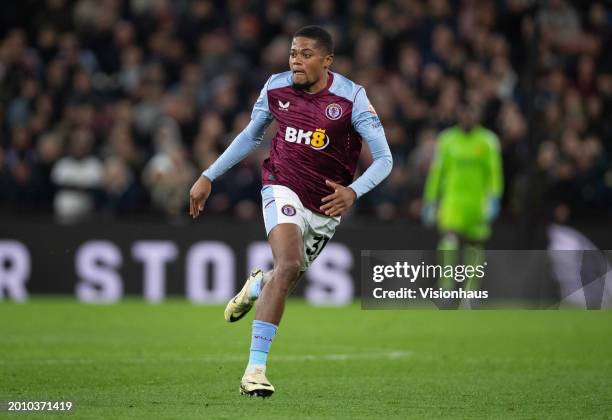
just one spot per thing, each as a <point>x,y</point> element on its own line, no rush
<point>114,107</point>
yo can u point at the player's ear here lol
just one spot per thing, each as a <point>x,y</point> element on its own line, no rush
<point>329,59</point>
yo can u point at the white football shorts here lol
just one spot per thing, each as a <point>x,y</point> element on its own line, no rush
<point>281,205</point>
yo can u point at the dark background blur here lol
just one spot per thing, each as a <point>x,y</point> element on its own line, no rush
<point>110,109</point>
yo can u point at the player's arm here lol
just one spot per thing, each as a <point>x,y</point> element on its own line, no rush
<point>433,182</point>
<point>241,146</point>
<point>496,177</point>
<point>367,124</point>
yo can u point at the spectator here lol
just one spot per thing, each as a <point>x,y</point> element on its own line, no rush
<point>121,193</point>
<point>77,177</point>
<point>164,86</point>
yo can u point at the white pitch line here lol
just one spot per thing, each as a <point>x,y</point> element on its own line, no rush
<point>211,358</point>
<point>396,354</point>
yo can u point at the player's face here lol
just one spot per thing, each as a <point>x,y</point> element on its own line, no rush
<point>308,62</point>
<point>469,117</point>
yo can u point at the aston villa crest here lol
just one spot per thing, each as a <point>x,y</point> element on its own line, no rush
<point>333,111</point>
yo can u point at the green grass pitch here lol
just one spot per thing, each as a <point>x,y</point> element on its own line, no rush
<point>180,361</point>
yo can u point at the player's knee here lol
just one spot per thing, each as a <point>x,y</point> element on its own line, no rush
<point>289,268</point>
<point>287,271</point>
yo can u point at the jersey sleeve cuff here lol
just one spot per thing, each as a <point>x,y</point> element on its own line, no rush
<point>208,175</point>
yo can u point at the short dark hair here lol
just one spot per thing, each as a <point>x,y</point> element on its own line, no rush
<point>319,34</point>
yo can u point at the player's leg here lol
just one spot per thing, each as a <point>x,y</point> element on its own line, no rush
<point>317,234</point>
<point>279,205</point>
<point>283,215</point>
<point>448,255</point>
<point>450,222</point>
<point>473,255</point>
<point>287,249</point>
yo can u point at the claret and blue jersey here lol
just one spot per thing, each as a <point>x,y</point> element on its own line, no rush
<point>319,138</point>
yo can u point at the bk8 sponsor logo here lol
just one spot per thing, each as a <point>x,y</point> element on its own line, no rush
<point>317,140</point>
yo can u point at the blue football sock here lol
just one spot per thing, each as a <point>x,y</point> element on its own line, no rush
<point>261,340</point>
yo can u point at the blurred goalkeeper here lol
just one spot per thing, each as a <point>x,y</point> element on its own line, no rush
<point>463,190</point>
<point>308,179</point>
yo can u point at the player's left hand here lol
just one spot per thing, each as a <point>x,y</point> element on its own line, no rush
<point>341,199</point>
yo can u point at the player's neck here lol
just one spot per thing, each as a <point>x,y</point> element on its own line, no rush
<point>320,85</point>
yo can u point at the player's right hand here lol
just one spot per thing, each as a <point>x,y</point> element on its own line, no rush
<point>198,195</point>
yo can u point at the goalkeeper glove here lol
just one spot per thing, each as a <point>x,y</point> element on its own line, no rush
<point>428,214</point>
<point>493,209</point>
